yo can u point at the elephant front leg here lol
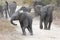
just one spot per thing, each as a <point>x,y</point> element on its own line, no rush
<point>49,25</point>
<point>41,26</point>
<point>45,25</point>
<point>50,21</point>
<point>6,14</point>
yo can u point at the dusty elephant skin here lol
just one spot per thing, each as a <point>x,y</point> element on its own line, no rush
<point>26,9</point>
<point>25,20</point>
<point>45,15</point>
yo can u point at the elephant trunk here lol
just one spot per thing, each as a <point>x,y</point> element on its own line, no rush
<point>12,22</point>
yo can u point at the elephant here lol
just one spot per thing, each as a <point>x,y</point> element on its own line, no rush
<point>1,11</point>
<point>25,9</point>
<point>12,7</point>
<point>38,3</point>
<point>46,15</point>
<point>25,20</point>
<point>37,10</point>
<point>5,8</point>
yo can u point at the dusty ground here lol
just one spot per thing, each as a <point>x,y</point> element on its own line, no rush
<point>10,32</point>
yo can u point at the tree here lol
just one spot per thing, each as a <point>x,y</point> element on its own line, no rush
<point>46,1</point>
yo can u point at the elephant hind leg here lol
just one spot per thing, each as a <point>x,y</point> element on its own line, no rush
<point>23,30</point>
<point>30,30</point>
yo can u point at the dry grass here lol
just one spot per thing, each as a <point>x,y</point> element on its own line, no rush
<point>8,31</point>
<point>5,26</point>
<point>56,14</point>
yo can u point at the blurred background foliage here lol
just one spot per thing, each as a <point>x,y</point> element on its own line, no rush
<point>30,2</point>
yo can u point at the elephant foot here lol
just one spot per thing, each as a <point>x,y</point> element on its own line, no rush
<point>31,33</point>
<point>45,28</point>
<point>48,29</point>
<point>23,34</point>
<point>41,27</point>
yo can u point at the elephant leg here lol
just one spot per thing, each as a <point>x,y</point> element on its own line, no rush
<point>50,21</point>
<point>49,25</point>
<point>45,23</point>
<point>30,29</point>
<point>24,25</point>
<point>10,12</point>
<point>1,15</point>
<point>6,14</point>
<point>23,29</point>
<point>41,26</point>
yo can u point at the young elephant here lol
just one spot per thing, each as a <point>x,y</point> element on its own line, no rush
<point>25,20</point>
<point>46,16</point>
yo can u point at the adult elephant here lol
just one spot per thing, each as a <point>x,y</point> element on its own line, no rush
<point>25,20</point>
<point>12,7</point>
<point>46,16</point>
<point>5,9</point>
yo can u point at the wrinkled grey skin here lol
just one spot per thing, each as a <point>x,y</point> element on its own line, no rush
<point>25,20</point>
<point>1,12</point>
<point>46,16</point>
<point>45,13</point>
<point>12,8</point>
<point>25,9</point>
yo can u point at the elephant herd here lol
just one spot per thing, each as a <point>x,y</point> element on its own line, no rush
<point>25,19</point>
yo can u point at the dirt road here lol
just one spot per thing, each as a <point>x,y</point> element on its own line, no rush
<point>53,34</point>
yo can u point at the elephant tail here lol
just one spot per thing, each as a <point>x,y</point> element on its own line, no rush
<point>12,22</point>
